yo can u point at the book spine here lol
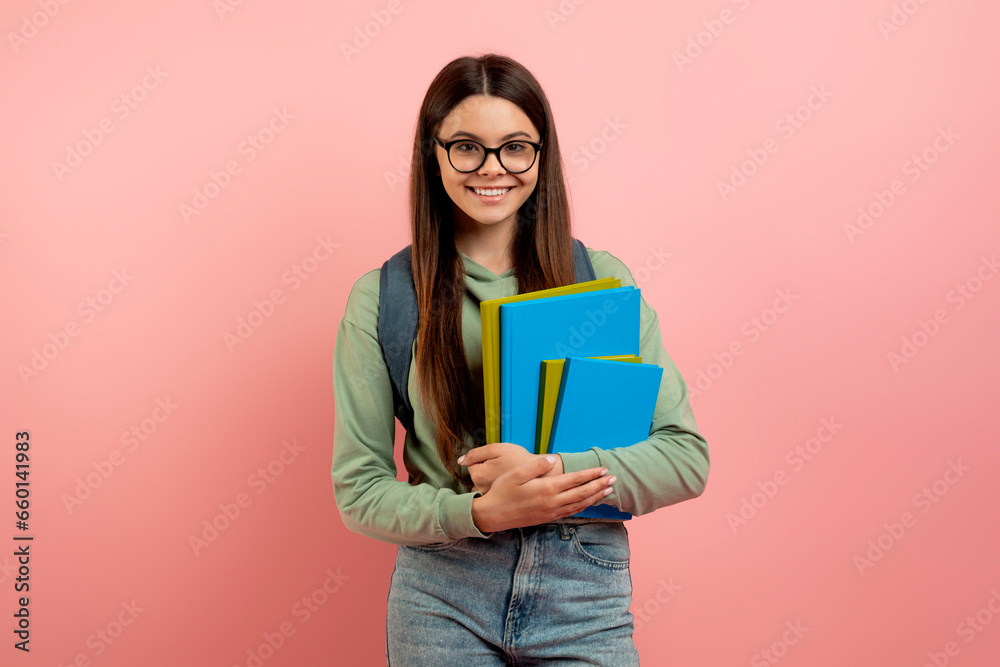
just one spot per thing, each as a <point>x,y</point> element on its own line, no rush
<point>505,372</point>
<point>542,372</point>
<point>489,379</point>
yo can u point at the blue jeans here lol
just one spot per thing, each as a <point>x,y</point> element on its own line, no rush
<point>553,594</point>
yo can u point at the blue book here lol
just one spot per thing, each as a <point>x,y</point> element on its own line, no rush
<point>591,324</point>
<point>604,404</point>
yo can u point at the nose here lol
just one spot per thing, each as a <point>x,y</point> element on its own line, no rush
<point>492,165</point>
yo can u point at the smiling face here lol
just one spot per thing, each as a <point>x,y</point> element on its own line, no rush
<point>488,196</point>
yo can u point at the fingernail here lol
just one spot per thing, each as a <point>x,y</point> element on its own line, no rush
<point>604,471</point>
<point>550,459</point>
<point>461,458</point>
<point>608,490</point>
<point>612,481</point>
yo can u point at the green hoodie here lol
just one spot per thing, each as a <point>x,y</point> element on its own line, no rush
<point>669,467</point>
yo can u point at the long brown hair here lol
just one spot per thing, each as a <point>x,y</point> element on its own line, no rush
<point>541,248</point>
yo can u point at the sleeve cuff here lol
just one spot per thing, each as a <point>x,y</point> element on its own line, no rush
<point>455,516</point>
<point>576,461</point>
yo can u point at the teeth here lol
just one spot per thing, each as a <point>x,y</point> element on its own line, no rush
<point>490,192</point>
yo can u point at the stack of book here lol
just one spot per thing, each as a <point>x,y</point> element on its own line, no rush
<point>562,371</point>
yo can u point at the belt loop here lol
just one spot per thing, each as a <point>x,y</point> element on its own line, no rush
<point>564,531</point>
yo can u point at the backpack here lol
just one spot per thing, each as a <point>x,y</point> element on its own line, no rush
<point>398,315</point>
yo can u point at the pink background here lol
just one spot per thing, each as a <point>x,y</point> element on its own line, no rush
<point>646,140</point>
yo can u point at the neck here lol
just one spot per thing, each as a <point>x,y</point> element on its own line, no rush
<point>487,245</point>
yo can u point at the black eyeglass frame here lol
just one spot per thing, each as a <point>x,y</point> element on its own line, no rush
<point>486,153</point>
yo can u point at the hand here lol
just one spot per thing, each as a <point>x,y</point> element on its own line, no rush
<point>521,497</point>
<point>488,462</point>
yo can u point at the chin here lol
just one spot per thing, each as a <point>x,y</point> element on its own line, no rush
<point>492,221</point>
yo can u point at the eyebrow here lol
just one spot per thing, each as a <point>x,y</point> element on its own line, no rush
<point>479,139</point>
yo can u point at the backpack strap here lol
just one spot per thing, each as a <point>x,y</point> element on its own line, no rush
<point>398,316</point>
<point>583,270</point>
<point>397,328</point>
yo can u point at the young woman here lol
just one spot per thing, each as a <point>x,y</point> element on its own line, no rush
<point>491,568</point>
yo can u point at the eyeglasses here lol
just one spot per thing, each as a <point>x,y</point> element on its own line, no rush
<point>466,155</point>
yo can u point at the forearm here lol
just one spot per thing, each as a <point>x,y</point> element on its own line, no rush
<point>664,470</point>
<point>395,512</point>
